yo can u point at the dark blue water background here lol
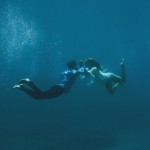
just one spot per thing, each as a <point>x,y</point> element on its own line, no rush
<point>37,38</point>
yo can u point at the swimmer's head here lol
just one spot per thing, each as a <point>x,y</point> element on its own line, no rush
<point>90,63</point>
<point>72,64</point>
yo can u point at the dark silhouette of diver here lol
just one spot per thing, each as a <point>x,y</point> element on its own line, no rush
<point>68,79</point>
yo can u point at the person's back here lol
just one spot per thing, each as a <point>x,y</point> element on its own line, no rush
<point>68,78</point>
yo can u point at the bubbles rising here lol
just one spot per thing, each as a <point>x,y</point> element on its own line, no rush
<point>16,33</point>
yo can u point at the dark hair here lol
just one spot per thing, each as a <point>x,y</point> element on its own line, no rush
<point>81,63</point>
<point>93,63</point>
<point>72,64</point>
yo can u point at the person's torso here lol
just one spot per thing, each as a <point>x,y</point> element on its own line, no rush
<point>100,76</point>
<point>68,78</point>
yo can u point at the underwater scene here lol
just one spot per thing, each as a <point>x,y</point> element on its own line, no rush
<point>86,75</point>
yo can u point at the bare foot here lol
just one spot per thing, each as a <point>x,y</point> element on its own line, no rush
<point>22,81</point>
<point>18,86</point>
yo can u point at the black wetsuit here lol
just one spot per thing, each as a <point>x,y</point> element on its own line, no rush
<point>68,79</point>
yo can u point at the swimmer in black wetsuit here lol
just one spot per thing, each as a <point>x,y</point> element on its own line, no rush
<point>68,79</point>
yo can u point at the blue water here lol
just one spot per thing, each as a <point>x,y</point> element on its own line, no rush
<point>37,38</point>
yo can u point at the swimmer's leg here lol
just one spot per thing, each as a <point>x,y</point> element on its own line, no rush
<point>109,87</point>
<point>123,72</point>
<point>37,94</point>
<point>31,84</point>
<point>32,93</point>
